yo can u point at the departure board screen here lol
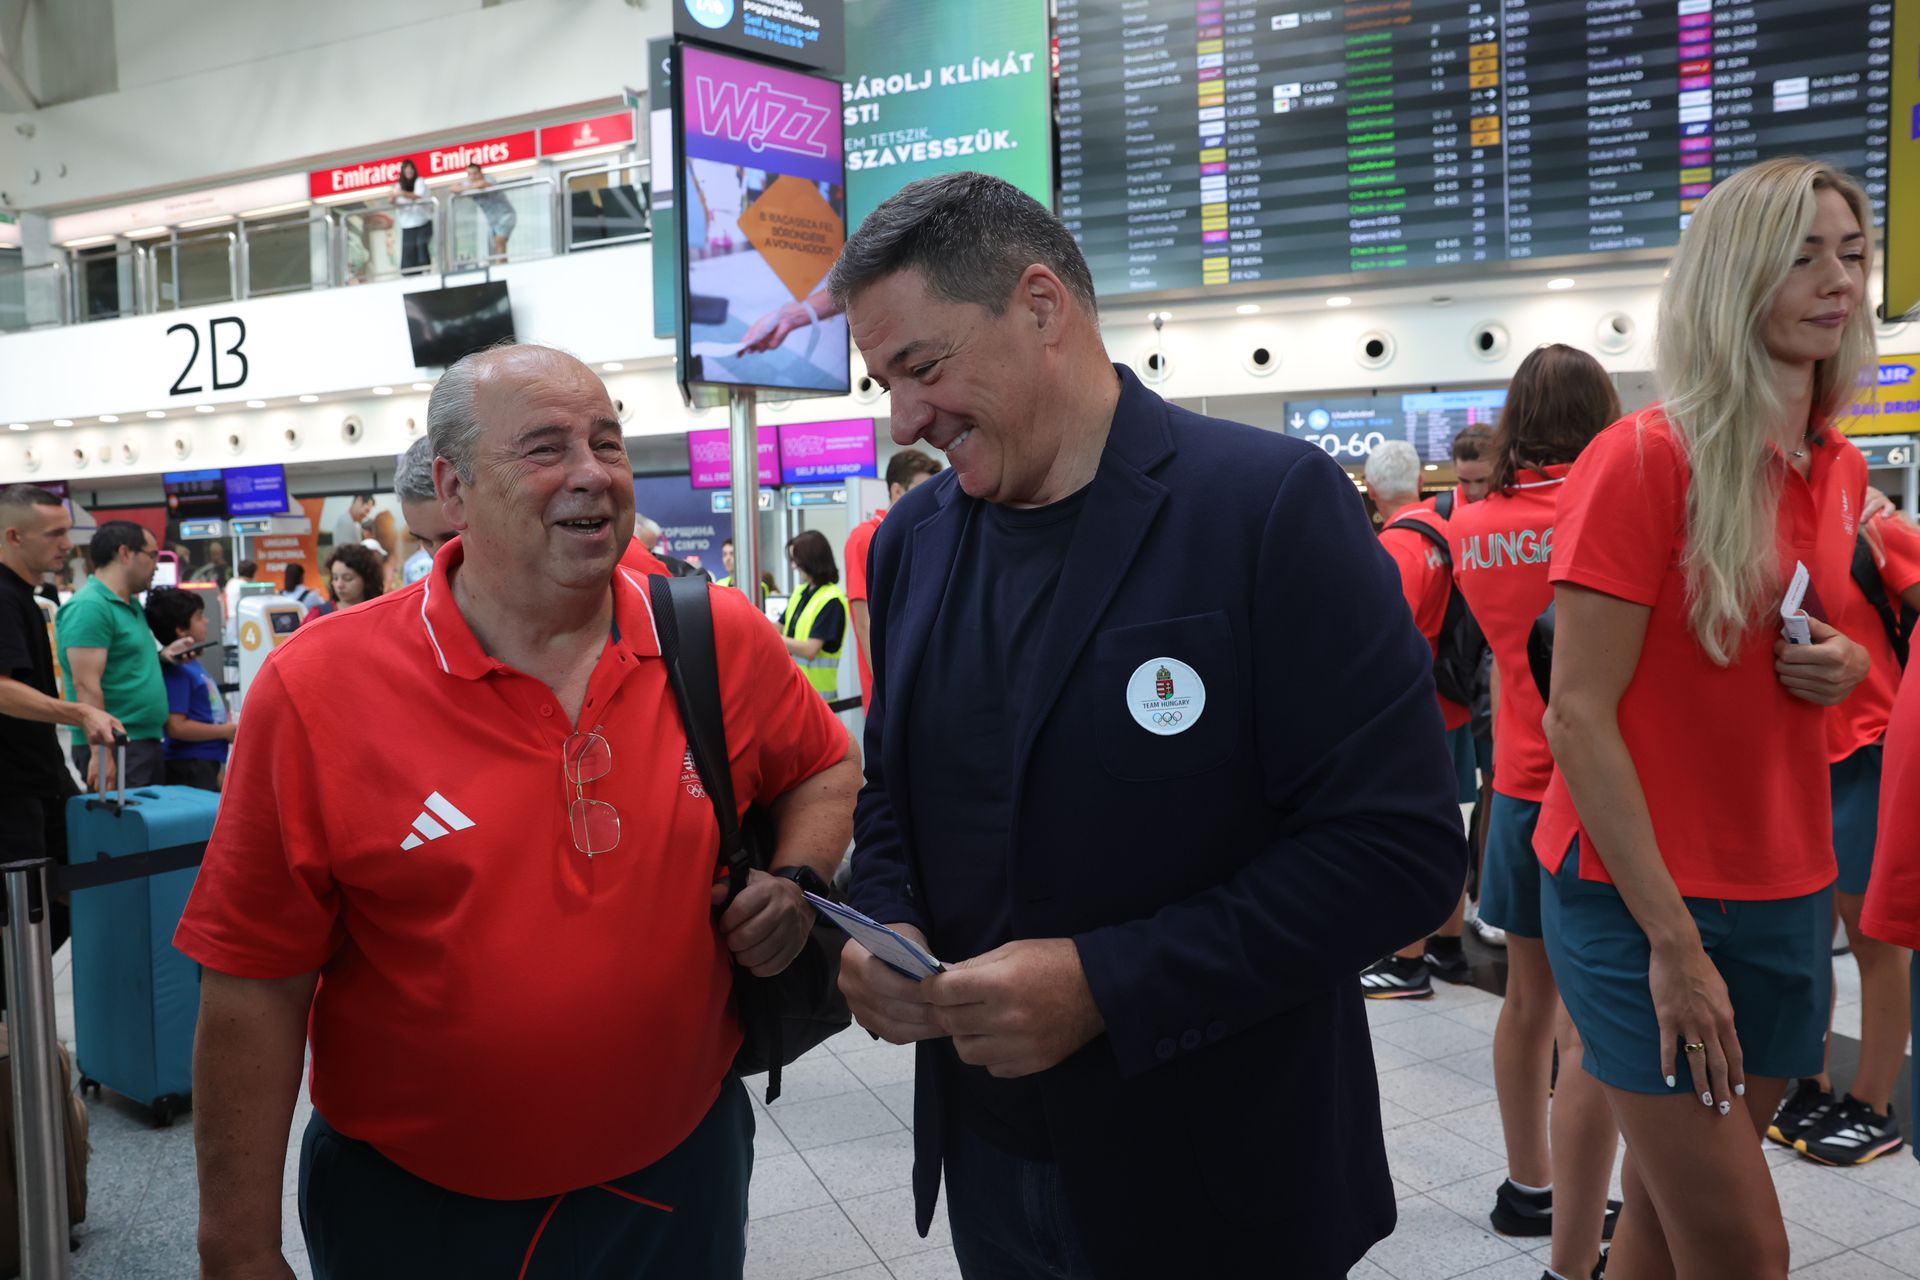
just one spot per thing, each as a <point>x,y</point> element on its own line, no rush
<point>1209,142</point>
<point>1350,428</point>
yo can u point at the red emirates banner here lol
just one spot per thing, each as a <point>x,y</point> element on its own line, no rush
<point>601,131</point>
<point>375,175</point>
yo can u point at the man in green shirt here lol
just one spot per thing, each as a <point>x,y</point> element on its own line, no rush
<point>108,657</point>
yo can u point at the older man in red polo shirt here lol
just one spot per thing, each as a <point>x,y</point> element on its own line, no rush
<point>505,953</point>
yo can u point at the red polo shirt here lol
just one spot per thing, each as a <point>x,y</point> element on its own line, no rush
<point>1861,720</point>
<point>1425,582</point>
<point>1734,767</point>
<point>1500,550</point>
<point>1892,910</point>
<point>859,543</point>
<point>496,1013</point>
<point>637,558</point>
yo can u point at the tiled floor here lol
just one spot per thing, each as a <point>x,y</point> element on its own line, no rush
<point>832,1159</point>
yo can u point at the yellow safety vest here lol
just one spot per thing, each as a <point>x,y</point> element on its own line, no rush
<point>823,671</point>
<point>723,582</point>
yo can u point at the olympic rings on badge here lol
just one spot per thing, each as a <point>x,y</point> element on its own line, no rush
<point>1166,719</point>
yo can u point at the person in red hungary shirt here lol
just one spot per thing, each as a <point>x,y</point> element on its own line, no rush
<point>1891,912</point>
<point>1687,829</point>
<point>1393,481</point>
<point>1559,400</point>
<point>905,470</point>
<point>506,955</point>
<point>1859,1126</point>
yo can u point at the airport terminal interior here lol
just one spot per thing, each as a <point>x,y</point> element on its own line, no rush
<point>241,242</point>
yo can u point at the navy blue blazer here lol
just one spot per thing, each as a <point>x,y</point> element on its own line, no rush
<point>1224,885</point>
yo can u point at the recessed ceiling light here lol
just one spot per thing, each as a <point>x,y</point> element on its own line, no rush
<point>156,413</point>
<point>1248,308</point>
<point>383,391</point>
<point>1160,315</point>
<point>613,366</point>
<point>1433,466</point>
<point>1560,282</point>
<point>256,404</point>
<point>203,408</point>
<point>1340,300</point>
<point>63,422</point>
<point>16,426</point>
<point>309,399</point>
<point>423,386</point>
<point>109,417</point>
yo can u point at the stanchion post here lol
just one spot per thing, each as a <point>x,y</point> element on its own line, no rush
<point>39,1152</point>
<point>744,438</point>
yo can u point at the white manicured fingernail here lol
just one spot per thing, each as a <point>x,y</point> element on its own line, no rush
<point>1706,1099</point>
<point>1725,1106</point>
<point>1670,1082</point>
<point>1739,1091</point>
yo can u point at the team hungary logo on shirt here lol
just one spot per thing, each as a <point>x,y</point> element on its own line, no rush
<point>1498,550</point>
<point>1163,683</point>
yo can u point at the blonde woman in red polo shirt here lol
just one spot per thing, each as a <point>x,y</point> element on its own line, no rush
<point>1559,400</point>
<point>1687,827</point>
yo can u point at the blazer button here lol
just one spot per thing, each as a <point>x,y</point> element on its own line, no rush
<point>1165,1049</point>
<point>1216,1030</point>
<point>1189,1039</point>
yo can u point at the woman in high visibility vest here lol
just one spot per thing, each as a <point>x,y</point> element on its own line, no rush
<point>815,623</point>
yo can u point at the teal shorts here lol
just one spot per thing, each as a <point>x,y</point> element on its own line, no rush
<point>1775,957</point>
<point>1509,870</point>
<point>1856,816</point>
<point>1466,762</point>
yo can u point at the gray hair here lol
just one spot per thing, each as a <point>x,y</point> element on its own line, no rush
<point>1393,469</point>
<point>971,236</point>
<point>413,472</point>
<point>453,428</point>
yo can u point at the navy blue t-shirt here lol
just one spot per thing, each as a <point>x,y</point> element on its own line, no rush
<point>191,692</point>
<point>960,765</point>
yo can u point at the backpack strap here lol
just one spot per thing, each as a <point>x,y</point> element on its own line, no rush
<point>1444,505</point>
<point>1428,532</point>
<point>683,615</point>
<point>1866,576</point>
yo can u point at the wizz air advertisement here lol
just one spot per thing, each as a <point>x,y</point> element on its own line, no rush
<point>763,214</point>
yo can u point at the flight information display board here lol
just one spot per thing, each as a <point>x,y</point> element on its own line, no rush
<point>1350,428</point>
<point>1207,142</point>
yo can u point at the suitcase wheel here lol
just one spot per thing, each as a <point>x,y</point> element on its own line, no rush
<point>89,1085</point>
<point>164,1110</point>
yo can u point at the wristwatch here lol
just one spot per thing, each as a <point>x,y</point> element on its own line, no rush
<point>807,878</point>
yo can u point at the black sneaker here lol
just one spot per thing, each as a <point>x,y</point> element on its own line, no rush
<point>1396,978</point>
<point>1599,1269</point>
<point>1607,1225</point>
<point>1521,1213</point>
<point>1803,1108</point>
<point>1448,963</point>
<point>1850,1133</point>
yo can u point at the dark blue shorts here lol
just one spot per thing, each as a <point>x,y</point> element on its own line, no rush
<point>366,1218</point>
<point>1775,957</point>
<point>1466,762</point>
<point>1856,816</point>
<point>1509,871</point>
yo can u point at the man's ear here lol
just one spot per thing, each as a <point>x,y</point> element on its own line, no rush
<point>452,490</point>
<point>1041,296</point>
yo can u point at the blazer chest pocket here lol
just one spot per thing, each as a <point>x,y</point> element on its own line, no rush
<point>1168,698</point>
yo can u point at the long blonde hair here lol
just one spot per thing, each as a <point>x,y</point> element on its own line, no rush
<point>1717,380</point>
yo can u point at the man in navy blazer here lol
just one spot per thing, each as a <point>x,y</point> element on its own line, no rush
<point>1154,764</point>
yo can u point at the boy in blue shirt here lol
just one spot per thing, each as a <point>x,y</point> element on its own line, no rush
<point>198,729</point>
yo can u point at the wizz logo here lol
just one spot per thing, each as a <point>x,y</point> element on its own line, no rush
<point>763,117</point>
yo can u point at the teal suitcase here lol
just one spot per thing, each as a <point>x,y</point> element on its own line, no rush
<point>135,998</point>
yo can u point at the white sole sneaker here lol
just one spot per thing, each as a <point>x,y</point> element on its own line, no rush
<point>1487,933</point>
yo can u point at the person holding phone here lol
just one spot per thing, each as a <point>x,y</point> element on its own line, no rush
<point>1686,832</point>
<point>198,727</point>
<point>413,210</point>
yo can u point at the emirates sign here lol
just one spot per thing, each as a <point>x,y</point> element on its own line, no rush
<point>375,175</point>
<point>601,131</point>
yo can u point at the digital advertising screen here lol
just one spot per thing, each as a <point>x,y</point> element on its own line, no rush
<point>937,88</point>
<point>815,452</point>
<point>1350,428</point>
<point>1903,169</point>
<point>195,495</point>
<point>710,458</point>
<point>762,214</point>
<point>809,32</point>
<point>256,491</point>
<point>1214,142</point>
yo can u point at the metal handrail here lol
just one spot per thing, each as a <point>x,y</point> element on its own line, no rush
<point>449,259</point>
<point>305,218</point>
<point>173,243</point>
<point>343,212</point>
<point>565,181</point>
<point>139,260</point>
<point>62,293</point>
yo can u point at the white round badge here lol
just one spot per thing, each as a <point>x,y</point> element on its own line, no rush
<point>1166,696</point>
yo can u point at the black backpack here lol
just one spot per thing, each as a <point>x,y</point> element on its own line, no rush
<point>1894,614</point>
<point>1457,666</point>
